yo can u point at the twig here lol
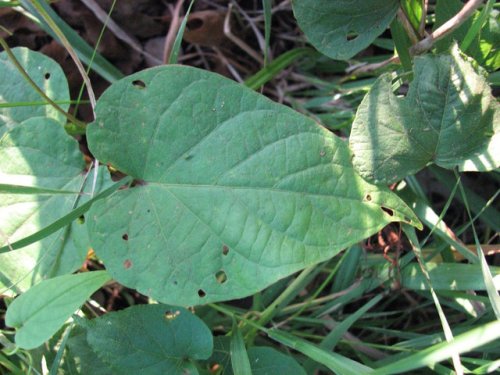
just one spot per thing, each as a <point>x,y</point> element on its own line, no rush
<point>446,28</point>
<point>363,69</point>
<point>426,43</point>
<point>172,30</point>
<point>421,28</point>
<point>121,34</point>
<point>245,47</point>
<point>405,22</point>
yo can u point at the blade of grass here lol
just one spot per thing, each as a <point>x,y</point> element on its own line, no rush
<point>346,274</point>
<point>65,220</point>
<point>45,11</point>
<point>466,342</point>
<point>26,76</point>
<point>412,237</point>
<point>335,362</point>
<point>238,352</point>
<point>34,103</point>
<point>100,65</point>
<point>275,67</point>
<point>297,285</point>
<point>54,369</point>
<point>490,216</point>
<point>476,26</point>
<point>446,276</point>
<point>18,189</point>
<point>174,54</point>
<point>402,43</point>
<point>266,6</point>
<point>488,280</point>
<point>431,220</point>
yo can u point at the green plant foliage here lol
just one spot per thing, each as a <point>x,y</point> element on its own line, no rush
<point>448,117</point>
<point>39,154</point>
<point>42,310</point>
<point>149,339</point>
<point>79,351</point>
<point>47,75</point>
<point>484,46</point>
<point>239,356</point>
<point>264,360</point>
<point>340,29</point>
<point>235,191</point>
<point>448,276</point>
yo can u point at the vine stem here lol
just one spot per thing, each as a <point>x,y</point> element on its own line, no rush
<point>446,28</point>
<point>427,43</point>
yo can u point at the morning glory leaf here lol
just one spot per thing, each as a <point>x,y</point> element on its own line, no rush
<point>234,191</point>
<point>341,29</point>
<point>448,117</point>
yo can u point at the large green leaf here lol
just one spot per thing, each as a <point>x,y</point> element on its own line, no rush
<point>448,117</point>
<point>14,89</point>
<point>39,154</point>
<point>342,28</point>
<point>235,191</point>
<point>42,310</point>
<point>150,339</point>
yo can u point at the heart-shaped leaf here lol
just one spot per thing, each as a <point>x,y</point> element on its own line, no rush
<point>235,191</point>
<point>150,339</point>
<point>448,117</point>
<point>38,155</point>
<point>42,310</point>
<point>342,28</point>
<point>26,102</point>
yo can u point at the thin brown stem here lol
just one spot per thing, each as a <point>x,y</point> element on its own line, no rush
<point>405,22</point>
<point>446,28</point>
<point>421,28</point>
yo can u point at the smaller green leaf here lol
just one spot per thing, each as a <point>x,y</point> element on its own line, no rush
<point>150,339</point>
<point>340,29</point>
<point>43,309</point>
<point>239,355</point>
<point>449,117</point>
<point>47,75</point>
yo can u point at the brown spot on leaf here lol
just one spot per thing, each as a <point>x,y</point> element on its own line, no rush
<point>127,264</point>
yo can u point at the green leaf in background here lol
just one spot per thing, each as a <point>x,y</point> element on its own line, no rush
<point>48,76</point>
<point>484,46</point>
<point>264,360</point>
<point>39,154</point>
<point>342,28</point>
<point>448,276</point>
<point>150,339</point>
<point>42,310</point>
<point>448,117</point>
<point>79,350</point>
<point>237,191</point>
